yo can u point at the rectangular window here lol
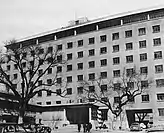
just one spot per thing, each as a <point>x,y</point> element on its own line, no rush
<point>39,103</point>
<point>59,47</point>
<point>69,56</point>
<point>24,64</point>
<point>69,91</point>
<point>80,43</point>
<point>103,62</point>
<point>103,50</point>
<point>49,81</point>
<point>159,68</point>
<point>80,90</point>
<point>116,73</point>
<point>116,48</point>
<point>59,59</point>
<point>115,36</point>
<point>143,57</point>
<point>79,77</point>
<point>48,103</point>
<point>142,44</point>
<point>159,82</point>
<point>131,99</point>
<point>41,51</point>
<point>144,84</point>
<point>91,76</point>
<point>40,71</point>
<point>158,55</point>
<point>129,72</point>
<point>15,66</point>
<point>69,67</point>
<point>157,41</point>
<point>91,64</point>
<point>59,80</point>
<point>15,76</point>
<point>48,93</point>
<point>24,55</point>
<point>39,93</point>
<point>103,38</point>
<point>129,59</point>
<point>116,99</point>
<point>91,89</point>
<point>69,79</point>
<point>129,46</point>
<point>59,69</point>
<point>80,54</point>
<point>41,62</point>
<point>69,45</point>
<point>58,102</point>
<point>144,70</point>
<point>50,49</point>
<point>91,52</point>
<point>80,66</point>
<point>161,111</point>
<point>130,85</point>
<point>116,60</point>
<point>156,28</point>
<point>128,33</point>
<point>58,91</point>
<point>104,88</point>
<point>160,97</point>
<point>49,71</point>
<point>91,40</point>
<point>40,82</point>
<point>141,31</point>
<point>103,75</point>
<point>116,86</point>
<point>145,98</point>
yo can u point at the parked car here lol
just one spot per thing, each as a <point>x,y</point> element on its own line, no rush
<point>42,129</point>
<point>156,129</point>
<point>135,127</point>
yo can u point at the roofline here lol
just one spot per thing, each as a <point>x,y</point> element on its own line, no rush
<point>114,16</point>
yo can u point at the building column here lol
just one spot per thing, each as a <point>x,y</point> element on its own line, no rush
<point>64,115</point>
<point>121,22</point>
<point>37,42</point>
<point>90,114</point>
<point>75,33</point>
<point>55,38</point>
<point>97,27</point>
<point>148,17</point>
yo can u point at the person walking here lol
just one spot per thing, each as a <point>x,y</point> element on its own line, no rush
<point>84,127</point>
<point>79,127</point>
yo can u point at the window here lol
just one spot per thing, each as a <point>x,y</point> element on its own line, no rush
<point>69,91</point>
<point>141,31</point>
<point>116,73</point>
<point>15,66</point>
<point>49,81</point>
<point>39,103</point>
<point>40,71</point>
<point>115,36</point>
<point>31,63</point>
<point>130,85</point>
<point>117,99</point>
<point>49,71</point>
<point>80,43</point>
<point>144,84</point>
<point>91,76</point>
<point>91,64</point>
<point>104,99</point>
<point>143,57</point>
<point>129,46</point>
<point>103,75</point>
<point>48,93</point>
<point>91,89</point>
<point>129,72</point>
<point>48,103</point>
<point>103,50</point>
<point>50,49</point>
<point>69,79</point>
<point>15,76</point>
<point>159,68</point>
<point>116,60</point>
<point>116,86</point>
<point>145,98</point>
<point>160,97</point>
<point>128,33</point>
<point>69,67</point>
<point>103,38</point>
<point>144,70</point>
<point>159,82</point>
<point>8,67</point>
<point>15,86</point>
<point>131,99</point>
<point>59,58</point>
<point>8,76</point>
<point>40,82</point>
<point>91,52</point>
<point>59,69</point>
<point>24,64</point>
<point>41,62</point>
<point>24,55</point>
<point>59,47</point>
<point>39,93</point>
<point>58,102</point>
<point>79,77</point>
<point>103,62</point>
<point>129,59</point>
<point>59,80</point>
<point>32,52</point>
<point>91,40</point>
<point>80,90</point>
<point>142,44</point>
<point>161,111</point>
<point>70,45</point>
<point>80,54</point>
<point>158,55</point>
<point>69,56</point>
<point>156,28</point>
<point>41,51</point>
<point>103,87</point>
<point>58,91</point>
<point>80,66</point>
<point>116,48</point>
<point>157,41</point>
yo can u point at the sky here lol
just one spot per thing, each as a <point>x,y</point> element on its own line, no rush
<point>23,18</point>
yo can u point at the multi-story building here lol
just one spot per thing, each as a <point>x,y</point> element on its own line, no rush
<point>108,45</point>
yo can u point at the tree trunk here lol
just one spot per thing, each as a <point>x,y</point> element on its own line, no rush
<point>22,109</point>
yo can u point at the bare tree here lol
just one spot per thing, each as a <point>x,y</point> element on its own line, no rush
<point>32,63</point>
<point>117,92</point>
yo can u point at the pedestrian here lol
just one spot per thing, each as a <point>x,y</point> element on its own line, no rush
<point>89,127</point>
<point>84,127</point>
<point>79,127</point>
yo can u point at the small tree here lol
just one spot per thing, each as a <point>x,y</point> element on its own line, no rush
<point>32,63</point>
<point>115,93</point>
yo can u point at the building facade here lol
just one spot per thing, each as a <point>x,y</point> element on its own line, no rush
<point>107,46</point>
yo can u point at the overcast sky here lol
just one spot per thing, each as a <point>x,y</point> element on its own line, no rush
<point>22,18</point>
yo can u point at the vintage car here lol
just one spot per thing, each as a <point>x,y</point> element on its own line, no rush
<point>135,127</point>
